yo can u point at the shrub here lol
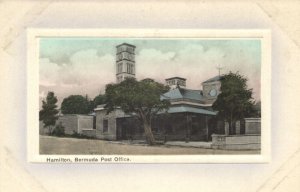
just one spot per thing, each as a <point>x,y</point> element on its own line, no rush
<point>59,130</point>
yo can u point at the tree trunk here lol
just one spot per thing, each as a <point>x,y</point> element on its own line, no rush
<point>149,135</point>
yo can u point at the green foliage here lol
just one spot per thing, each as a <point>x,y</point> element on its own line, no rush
<point>139,98</point>
<point>59,130</point>
<point>75,104</point>
<point>235,100</point>
<point>48,114</point>
<point>99,100</point>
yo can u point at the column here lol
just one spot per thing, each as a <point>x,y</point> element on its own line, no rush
<point>237,127</point>
<point>226,128</point>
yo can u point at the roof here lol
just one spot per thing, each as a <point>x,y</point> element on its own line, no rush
<point>125,44</point>
<point>175,78</point>
<point>188,109</point>
<point>183,93</point>
<point>216,78</point>
<point>76,115</point>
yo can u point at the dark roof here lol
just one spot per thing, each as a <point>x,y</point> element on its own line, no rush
<point>183,93</point>
<point>125,44</point>
<point>216,78</point>
<point>188,109</point>
<point>176,78</point>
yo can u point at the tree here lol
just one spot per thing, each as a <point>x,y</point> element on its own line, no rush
<point>138,98</point>
<point>99,100</point>
<point>48,114</point>
<point>235,100</point>
<point>75,104</point>
<point>59,130</point>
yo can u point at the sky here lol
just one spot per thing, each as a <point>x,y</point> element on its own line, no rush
<point>83,66</point>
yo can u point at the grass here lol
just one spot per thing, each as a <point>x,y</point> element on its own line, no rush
<point>73,146</point>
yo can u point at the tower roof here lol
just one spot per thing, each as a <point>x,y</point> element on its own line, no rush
<point>126,45</point>
<point>216,78</point>
<point>175,78</point>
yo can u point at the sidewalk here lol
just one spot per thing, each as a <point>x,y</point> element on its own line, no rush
<point>196,144</point>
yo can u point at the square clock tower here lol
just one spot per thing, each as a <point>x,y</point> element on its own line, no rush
<point>125,61</point>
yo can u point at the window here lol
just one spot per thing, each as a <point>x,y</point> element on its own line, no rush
<point>105,126</point>
<point>120,68</point>
<point>130,68</point>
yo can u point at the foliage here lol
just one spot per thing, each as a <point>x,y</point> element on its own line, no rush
<point>48,114</point>
<point>235,100</point>
<point>257,109</point>
<point>138,98</point>
<point>81,136</point>
<point>59,130</point>
<point>75,104</point>
<point>99,100</point>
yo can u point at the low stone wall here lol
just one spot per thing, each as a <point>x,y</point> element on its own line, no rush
<point>236,142</point>
<point>252,125</point>
<point>69,122</point>
<point>89,132</point>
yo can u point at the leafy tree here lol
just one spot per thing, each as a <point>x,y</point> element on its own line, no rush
<point>235,100</point>
<point>75,104</point>
<point>48,114</point>
<point>138,98</point>
<point>99,100</point>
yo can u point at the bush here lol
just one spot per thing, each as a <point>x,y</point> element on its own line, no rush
<point>59,130</point>
<point>80,136</point>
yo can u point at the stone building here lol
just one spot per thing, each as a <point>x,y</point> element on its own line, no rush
<point>190,116</point>
<point>74,123</point>
<point>125,61</point>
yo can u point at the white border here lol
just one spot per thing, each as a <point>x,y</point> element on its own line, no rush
<point>33,36</point>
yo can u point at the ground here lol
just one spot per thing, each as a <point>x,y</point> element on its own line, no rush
<point>72,146</point>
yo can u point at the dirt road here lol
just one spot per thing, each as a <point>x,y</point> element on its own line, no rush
<point>70,146</point>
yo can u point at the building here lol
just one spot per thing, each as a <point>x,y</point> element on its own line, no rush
<point>74,124</point>
<point>173,82</point>
<point>125,61</point>
<point>190,116</point>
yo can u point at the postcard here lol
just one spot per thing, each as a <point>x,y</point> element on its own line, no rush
<point>148,96</point>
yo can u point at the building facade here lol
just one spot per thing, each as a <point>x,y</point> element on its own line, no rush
<point>190,116</point>
<point>73,124</point>
<point>125,61</point>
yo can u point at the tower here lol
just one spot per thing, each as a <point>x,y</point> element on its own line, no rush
<point>125,61</point>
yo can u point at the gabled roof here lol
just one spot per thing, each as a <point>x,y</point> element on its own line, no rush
<point>216,78</point>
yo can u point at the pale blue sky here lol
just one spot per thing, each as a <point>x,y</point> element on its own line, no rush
<point>85,65</point>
